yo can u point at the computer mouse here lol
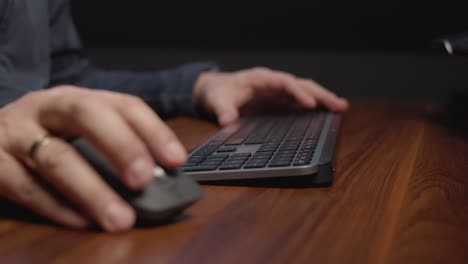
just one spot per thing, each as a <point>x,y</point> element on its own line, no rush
<point>159,202</point>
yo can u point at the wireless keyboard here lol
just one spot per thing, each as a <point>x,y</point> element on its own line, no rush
<point>270,146</point>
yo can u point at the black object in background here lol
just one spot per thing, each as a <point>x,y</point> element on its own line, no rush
<point>454,44</point>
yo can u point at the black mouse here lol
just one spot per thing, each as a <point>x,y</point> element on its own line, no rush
<point>159,202</point>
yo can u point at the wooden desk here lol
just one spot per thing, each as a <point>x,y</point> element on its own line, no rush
<point>400,196</point>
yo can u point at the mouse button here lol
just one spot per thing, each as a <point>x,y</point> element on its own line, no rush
<point>163,195</point>
<point>187,188</point>
<point>157,197</point>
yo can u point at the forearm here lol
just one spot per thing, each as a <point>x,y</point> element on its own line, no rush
<point>168,92</point>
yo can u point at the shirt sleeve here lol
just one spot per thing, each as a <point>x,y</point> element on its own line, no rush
<point>168,92</point>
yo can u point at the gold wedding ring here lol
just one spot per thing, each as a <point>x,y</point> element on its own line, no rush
<point>30,158</point>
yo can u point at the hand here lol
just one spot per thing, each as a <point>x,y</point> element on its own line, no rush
<point>226,94</point>
<point>127,131</point>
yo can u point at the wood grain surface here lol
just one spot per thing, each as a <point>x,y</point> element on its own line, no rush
<point>399,196</point>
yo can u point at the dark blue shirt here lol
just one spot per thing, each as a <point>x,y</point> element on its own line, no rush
<point>40,48</point>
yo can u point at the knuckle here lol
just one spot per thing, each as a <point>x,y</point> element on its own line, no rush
<point>289,76</point>
<point>66,89</point>
<point>80,106</point>
<point>63,92</point>
<point>132,101</point>
<point>54,156</point>
<point>261,70</point>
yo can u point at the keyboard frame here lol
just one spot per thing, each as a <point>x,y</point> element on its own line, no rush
<point>320,171</point>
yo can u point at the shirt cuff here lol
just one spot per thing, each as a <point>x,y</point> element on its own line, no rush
<point>183,99</point>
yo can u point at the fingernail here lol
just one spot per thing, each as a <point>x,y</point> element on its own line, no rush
<point>140,172</point>
<point>176,151</point>
<point>119,217</point>
<point>312,103</point>
<point>226,118</point>
<point>344,102</point>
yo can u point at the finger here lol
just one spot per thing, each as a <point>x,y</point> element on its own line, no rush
<point>61,165</point>
<point>290,84</point>
<point>224,108</point>
<point>17,185</point>
<point>162,142</point>
<point>324,96</point>
<point>109,132</point>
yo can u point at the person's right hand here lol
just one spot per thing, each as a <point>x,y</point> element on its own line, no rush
<point>63,186</point>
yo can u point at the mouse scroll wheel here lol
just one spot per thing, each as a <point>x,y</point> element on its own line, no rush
<point>159,173</point>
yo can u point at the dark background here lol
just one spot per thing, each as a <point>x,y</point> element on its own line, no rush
<point>361,49</point>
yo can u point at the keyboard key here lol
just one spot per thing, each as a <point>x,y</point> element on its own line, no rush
<point>226,149</point>
<point>199,168</point>
<point>279,156</point>
<point>218,156</point>
<point>270,144</point>
<point>267,149</point>
<point>305,154</point>
<point>210,163</point>
<point>240,154</point>
<point>292,143</point>
<point>240,135</point>
<point>280,163</point>
<point>282,158</point>
<point>301,163</point>
<point>307,148</point>
<point>230,166</point>
<point>262,154</point>
<point>236,159</point>
<point>261,151</point>
<point>304,157</point>
<point>233,161</point>
<point>196,158</point>
<point>261,132</point>
<point>254,165</point>
<point>258,160</point>
<point>283,162</point>
<point>290,152</point>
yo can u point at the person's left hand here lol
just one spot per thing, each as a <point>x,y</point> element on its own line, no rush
<point>228,94</point>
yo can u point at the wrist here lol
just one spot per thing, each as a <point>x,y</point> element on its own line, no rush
<point>200,84</point>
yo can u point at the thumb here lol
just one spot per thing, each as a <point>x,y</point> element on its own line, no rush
<point>225,111</point>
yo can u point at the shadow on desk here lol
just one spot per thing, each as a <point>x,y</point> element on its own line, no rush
<point>293,182</point>
<point>15,212</point>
